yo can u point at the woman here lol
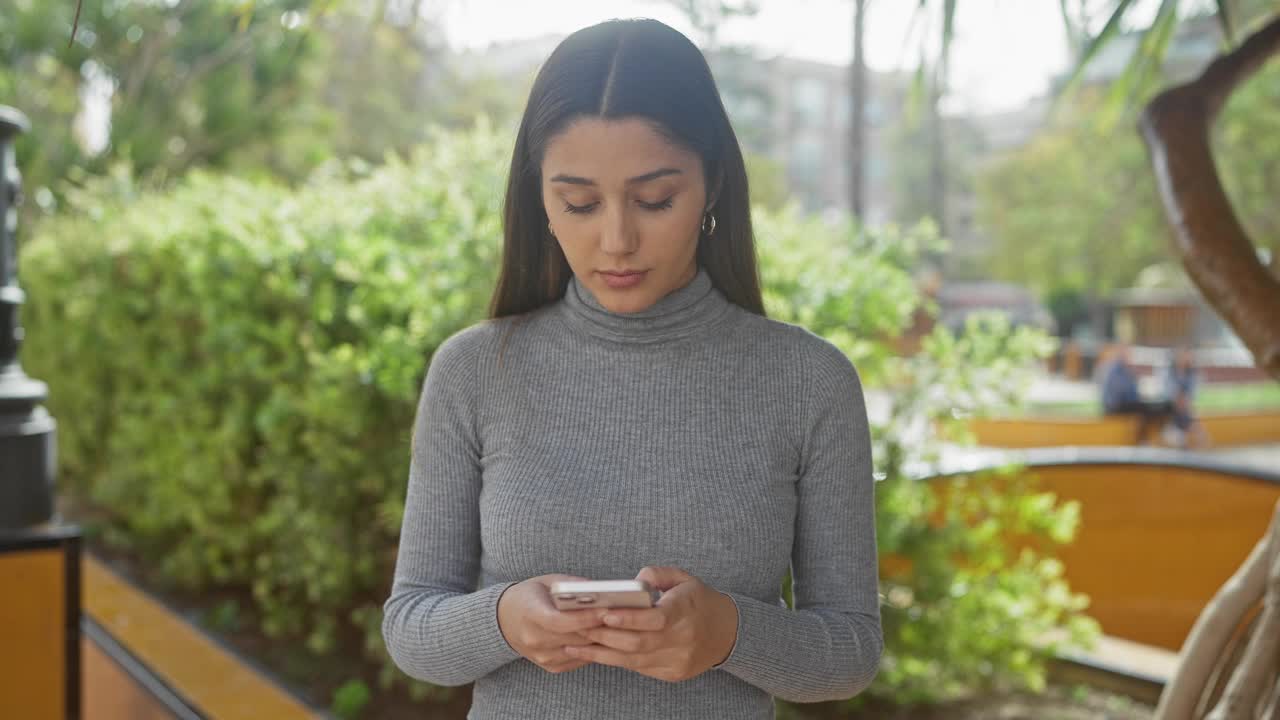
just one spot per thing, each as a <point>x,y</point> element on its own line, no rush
<point>629,412</point>
<point>1181,380</point>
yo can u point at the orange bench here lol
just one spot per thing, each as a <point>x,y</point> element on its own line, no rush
<point>1160,531</point>
<point>1225,430</point>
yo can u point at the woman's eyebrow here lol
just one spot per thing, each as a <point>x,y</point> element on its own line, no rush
<point>660,172</point>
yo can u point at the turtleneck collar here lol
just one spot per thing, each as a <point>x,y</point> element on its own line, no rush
<point>684,312</point>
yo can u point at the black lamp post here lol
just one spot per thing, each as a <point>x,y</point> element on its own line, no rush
<point>27,458</point>
<point>30,535</point>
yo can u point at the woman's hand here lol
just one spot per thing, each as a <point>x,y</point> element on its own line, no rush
<point>692,628</point>
<point>538,630</point>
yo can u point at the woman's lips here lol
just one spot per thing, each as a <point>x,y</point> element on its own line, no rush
<point>619,281</point>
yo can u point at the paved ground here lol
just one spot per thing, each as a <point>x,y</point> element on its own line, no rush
<point>1265,457</point>
<point>1051,389</point>
<point>1044,390</point>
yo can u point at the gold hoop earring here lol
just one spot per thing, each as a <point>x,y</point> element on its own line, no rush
<point>708,224</point>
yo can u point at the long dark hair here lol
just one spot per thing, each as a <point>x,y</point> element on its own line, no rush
<point>625,69</point>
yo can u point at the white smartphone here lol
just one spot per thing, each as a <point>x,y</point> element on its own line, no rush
<point>579,594</point>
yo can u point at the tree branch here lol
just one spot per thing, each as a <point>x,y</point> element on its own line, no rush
<point>1227,71</point>
<point>1214,247</point>
<point>75,24</point>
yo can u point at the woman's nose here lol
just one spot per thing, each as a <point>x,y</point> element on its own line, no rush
<point>618,236</point>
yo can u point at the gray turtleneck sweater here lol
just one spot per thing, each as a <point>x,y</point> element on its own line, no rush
<point>593,443</point>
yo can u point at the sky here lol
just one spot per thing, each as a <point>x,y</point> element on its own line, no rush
<point>994,67</point>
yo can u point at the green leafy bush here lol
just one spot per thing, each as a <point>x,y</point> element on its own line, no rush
<point>350,699</point>
<point>972,592</point>
<point>972,607</point>
<point>235,367</point>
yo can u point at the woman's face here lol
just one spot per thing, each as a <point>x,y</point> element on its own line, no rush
<point>626,206</point>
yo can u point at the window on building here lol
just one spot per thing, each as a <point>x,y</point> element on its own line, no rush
<point>844,109</point>
<point>806,168</point>
<point>809,102</point>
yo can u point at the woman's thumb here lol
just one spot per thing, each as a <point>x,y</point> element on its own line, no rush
<point>663,577</point>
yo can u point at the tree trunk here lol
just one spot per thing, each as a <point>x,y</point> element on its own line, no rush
<point>1257,669</point>
<point>858,114</point>
<point>1214,627</point>
<point>1214,247</point>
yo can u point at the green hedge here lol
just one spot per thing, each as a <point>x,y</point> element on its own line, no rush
<point>235,367</point>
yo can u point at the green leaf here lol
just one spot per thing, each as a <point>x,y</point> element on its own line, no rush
<point>244,15</point>
<point>350,699</point>
<point>1108,32</point>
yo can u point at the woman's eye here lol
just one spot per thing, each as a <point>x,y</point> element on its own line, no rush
<point>662,205</point>
<point>579,209</point>
<point>589,207</point>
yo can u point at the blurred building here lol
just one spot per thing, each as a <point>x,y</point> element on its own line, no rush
<point>1164,309</point>
<point>959,301</point>
<point>798,113</point>
<point>1155,320</point>
<point>795,113</point>
<point>1165,317</point>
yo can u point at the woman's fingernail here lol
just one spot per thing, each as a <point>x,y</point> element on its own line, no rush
<point>611,619</point>
<point>570,650</point>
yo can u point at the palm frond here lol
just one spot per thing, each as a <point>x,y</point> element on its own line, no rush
<point>1068,22</point>
<point>1108,32</point>
<point>1144,68</point>
<point>948,33</point>
<point>245,15</point>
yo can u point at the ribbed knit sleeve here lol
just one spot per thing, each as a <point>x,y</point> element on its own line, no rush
<point>437,625</point>
<point>829,646</point>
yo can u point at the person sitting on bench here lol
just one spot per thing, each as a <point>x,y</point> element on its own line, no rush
<point>1120,395</point>
<point>1181,380</point>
